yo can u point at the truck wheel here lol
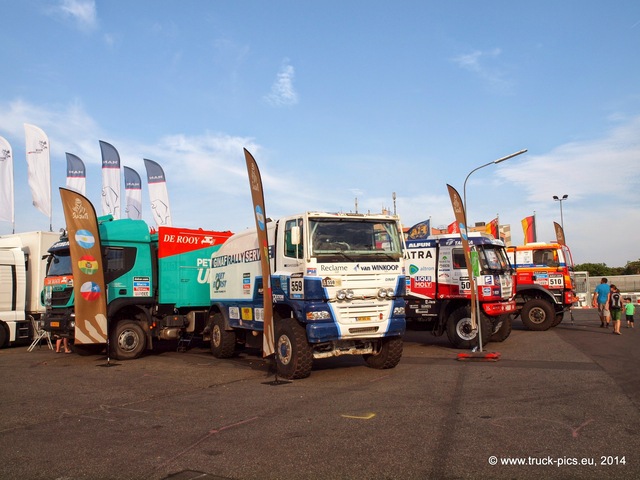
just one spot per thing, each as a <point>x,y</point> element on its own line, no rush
<point>538,315</point>
<point>294,356</point>
<point>127,340</point>
<point>389,355</point>
<point>501,328</point>
<point>4,336</point>
<point>558,319</point>
<point>223,342</point>
<point>460,332</point>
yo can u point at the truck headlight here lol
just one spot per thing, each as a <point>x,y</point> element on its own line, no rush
<point>344,294</point>
<point>319,315</point>
<point>385,293</point>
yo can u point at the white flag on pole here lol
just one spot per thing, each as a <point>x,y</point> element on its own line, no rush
<point>76,174</point>
<point>110,180</point>
<point>7,211</point>
<point>158,193</point>
<point>39,168</point>
<point>132,193</point>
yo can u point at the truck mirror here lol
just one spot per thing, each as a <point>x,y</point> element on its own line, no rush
<point>295,235</point>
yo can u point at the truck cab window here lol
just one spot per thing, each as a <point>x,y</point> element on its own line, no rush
<point>118,261</point>
<point>291,249</point>
<point>458,258</point>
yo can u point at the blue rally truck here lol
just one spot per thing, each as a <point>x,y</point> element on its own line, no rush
<point>337,285</point>
<point>157,285</point>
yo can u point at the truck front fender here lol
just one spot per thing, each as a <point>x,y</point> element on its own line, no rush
<point>528,292</point>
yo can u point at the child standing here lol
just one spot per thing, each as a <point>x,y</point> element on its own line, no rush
<point>629,310</point>
<point>615,306</point>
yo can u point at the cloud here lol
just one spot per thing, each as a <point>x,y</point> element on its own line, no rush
<point>483,64</point>
<point>282,91</point>
<point>601,168</point>
<point>82,12</point>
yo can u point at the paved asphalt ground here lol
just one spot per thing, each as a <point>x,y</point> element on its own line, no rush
<point>553,401</point>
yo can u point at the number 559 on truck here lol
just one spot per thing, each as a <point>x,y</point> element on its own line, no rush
<point>337,286</point>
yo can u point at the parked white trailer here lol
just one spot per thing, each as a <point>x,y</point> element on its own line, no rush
<point>23,265</point>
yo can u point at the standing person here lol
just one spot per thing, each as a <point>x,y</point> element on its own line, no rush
<point>601,302</point>
<point>60,341</point>
<point>615,307</point>
<point>629,310</point>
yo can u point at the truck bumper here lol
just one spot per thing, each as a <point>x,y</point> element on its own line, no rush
<point>319,332</point>
<point>499,308</point>
<point>61,324</point>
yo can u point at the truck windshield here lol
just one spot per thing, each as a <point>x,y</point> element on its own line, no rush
<point>355,239</point>
<point>493,258</point>
<point>59,264</point>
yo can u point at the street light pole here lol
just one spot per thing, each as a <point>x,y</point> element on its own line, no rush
<point>475,307</point>
<point>464,188</point>
<point>557,199</point>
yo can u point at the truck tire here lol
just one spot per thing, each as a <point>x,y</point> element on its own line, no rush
<point>4,336</point>
<point>294,356</point>
<point>389,355</point>
<point>459,329</point>
<point>558,320</point>
<point>223,342</point>
<point>501,328</point>
<point>538,315</point>
<point>127,340</point>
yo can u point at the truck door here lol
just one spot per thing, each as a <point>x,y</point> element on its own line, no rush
<point>293,246</point>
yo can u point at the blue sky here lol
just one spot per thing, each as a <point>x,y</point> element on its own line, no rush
<point>339,100</point>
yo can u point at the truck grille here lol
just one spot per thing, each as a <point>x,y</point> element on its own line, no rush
<point>363,330</point>
<point>61,298</point>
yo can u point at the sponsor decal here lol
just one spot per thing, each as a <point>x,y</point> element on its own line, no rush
<point>247,313</point>
<point>329,282</point>
<point>248,256</point>
<point>333,268</point>
<point>141,287</point>
<point>312,272</point>
<point>219,282</point>
<point>63,280</point>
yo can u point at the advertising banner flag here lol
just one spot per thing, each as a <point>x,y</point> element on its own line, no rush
<point>7,205</point>
<point>458,210</point>
<point>158,194</point>
<point>110,180</point>
<point>39,168</point>
<point>90,303</point>
<point>453,227</point>
<point>257,196</point>
<point>493,228</point>
<point>529,229</point>
<point>559,233</point>
<point>419,231</point>
<point>132,194</point>
<point>76,174</point>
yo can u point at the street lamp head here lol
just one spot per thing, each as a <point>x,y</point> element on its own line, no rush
<point>510,156</point>
<point>565,196</point>
<point>555,197</point>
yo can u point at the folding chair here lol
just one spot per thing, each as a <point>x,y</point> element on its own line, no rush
<point>39,334</point>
